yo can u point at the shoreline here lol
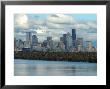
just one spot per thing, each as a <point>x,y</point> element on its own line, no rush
<point>57,56</point>
<point>58,60</point>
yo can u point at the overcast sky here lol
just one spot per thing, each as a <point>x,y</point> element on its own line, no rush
<point>56,25</point>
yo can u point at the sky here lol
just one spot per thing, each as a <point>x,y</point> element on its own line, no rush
<point>56,25</point>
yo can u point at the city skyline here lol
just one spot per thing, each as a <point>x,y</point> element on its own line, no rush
<point>56,25</point>
<point>67,43</point>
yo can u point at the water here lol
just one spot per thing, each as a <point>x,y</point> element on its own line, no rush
<point>53,68</point>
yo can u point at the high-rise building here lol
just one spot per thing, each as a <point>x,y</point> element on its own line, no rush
<point>50,43</point>
<point>20,45</point>
<point>67,40</point>
<point>80,48</point>
<point>45,43</point>
<point>80,41</point>
<point>15,45</point>
<point>79,44</point>
<point>61,39</point>
<point>29,38</point>
<point>49,38</point>
<point>88,46</point>
<point>34,40</point>
<point>61,46</point>
<point>74,37</point>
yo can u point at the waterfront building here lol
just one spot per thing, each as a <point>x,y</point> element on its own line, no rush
<point>45,43</point>
<point>29,39</point>
<point>65,40</point>
<point>24,44</point>
<point>34,40</point>
<point>38,47</point>
<point>80,47</point>
<point>26,49</point>
<point>89,46</point>
<point>80,41</point>
<point>50,43</point>
<point>18,45</point>
<point>15,45</point>
<point>69,41</point>
<point>61,39</point>
<point>61,46</point>
<point>49,38</point>
<point>93,49</point>
<point>74,37</point>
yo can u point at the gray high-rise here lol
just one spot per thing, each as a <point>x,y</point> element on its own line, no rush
<point>29,38</point>
<point>74,37</point>
<point>34,40</point>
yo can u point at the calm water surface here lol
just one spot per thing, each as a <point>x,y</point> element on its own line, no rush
<point>53,68</point>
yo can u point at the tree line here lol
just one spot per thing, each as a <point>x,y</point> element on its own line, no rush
<point>58,56</point>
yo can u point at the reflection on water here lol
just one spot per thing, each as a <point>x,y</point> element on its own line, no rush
<point>53,68</point>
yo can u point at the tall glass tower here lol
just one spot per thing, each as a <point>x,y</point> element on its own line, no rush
<point>74,37</point>
<point>29,38</point>
<point>34,40</point>
<point>64,40</point>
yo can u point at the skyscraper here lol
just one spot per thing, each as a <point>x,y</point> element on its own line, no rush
<point>74,37</point>
<point>80,41</point>
<point>29,38</point>
<point>20,44</point>
<point>80,44</point>
<point>49,38</point>
<point>15,45</point>
<point>61,39</point>
<point>88,46</point>
<point>45,43</point>
<point>50,43</point>
<point>34,40</point>
<point>67,40</point>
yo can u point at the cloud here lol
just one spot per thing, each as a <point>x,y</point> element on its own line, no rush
<point>81,26</point>
<point>24,22</point>
<point>60,19</point>
<point>21,21</point>
<point>55,25</point>
<point>86,25</point>
<point>35,22</point>
<point>92,24</point>
<point>51,25</point>
<point>87,36</point>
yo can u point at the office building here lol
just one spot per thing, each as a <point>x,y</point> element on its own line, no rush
<point>50,43</point>
<point>61,46</point>
<point>65,40</point>
<point>80,41</point>
<point>45,43</point>
<point>61,39</point>
<point>34,40</point>
<point>29,39</point>
<point>74,37</point>
<point>49,38</point>
<point>79,45</point>
<point>89,46</point>
<point>69,41</point>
